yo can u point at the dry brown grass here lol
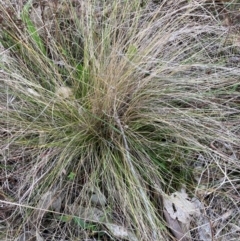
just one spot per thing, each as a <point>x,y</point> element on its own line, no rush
<point>100,132</point>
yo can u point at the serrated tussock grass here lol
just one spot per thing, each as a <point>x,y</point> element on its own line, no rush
<point>115,98</point>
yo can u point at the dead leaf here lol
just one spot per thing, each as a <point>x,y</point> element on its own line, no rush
<point>97,197</point>
<point>120,232</point>
<point>64,92</point>
<point>203,224</point>
<point>174,226</point>
<point>179,207</point>
<point>49,200</point>
<point>91,214</point>
<point>96,215</point>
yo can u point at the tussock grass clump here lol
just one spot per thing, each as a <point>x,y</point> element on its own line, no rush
<point>104,105</point>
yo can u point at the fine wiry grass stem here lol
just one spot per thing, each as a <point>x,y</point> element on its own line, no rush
<point>134,174</point>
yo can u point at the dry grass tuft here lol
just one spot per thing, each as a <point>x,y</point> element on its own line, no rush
<point>108,108</point>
